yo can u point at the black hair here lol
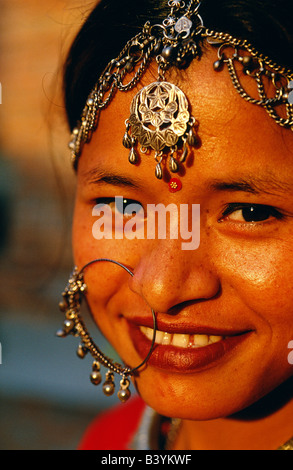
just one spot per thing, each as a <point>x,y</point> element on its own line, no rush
<point>266,24</point>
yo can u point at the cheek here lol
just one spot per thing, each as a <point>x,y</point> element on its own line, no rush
<point>261,277</point>
<point>82,239</point>
<point>107,283</point>
<point>90,240</point>
<point>86,247</point>
<point>100,277</point>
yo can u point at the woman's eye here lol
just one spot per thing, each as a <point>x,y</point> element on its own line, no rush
<point>250,213</point>
<point>123,206</point>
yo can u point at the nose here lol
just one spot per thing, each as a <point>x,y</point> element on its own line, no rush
<point>167,276</point>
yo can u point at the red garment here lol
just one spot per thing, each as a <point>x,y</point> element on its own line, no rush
<point>115,428</point>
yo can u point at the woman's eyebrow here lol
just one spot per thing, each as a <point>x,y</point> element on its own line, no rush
<point>267,185</point>
<point>99,176</point>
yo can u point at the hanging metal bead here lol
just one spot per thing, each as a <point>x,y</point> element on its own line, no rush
<point>96,377</point>
<point>61,333</point>
<point>184,153</point>
<point>159,172</point>
<point>68,327</point>
<point>90,101</point>
<point>81,351</point>
<point>173,165</point>
<point>127,141</point>
<point>169,53</point>
<point>63,306</point>
<point>124,392</point>
<point>218,65</point>
<point>133,157</point>
<point>249,63</point>
<point>192,138</point>
<point>109,385</point>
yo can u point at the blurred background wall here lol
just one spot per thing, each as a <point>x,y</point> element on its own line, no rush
<point>46,398</point>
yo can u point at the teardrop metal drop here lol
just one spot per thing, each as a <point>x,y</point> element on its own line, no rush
<point>63,306</point>
<point>68,326</point>
<point>159,172</point>
<point>71,145</point>
<point>127,142</point>
<point>108,388</point>
<point>81,351</point>
<point>123,395</point>
<point>109,385</point>
<point>191,139</point>
<point>133,157</point>
<point>61,333</point>
<point>218,65</point>
<point>173,165</point>
<point>96,377</point>
<point>124,392</point>
<point>184,154</point>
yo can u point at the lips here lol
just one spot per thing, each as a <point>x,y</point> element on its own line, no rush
<point>182,349</point>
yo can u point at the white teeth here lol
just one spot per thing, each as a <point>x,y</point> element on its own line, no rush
<point>159,336</point>
<point>180,340</point>
<point>200,340</point>
<point>148,332</point>
<point>214,339</point>
<point>166,338</point>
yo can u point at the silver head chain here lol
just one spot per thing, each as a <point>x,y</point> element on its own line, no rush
<point>159,114</point>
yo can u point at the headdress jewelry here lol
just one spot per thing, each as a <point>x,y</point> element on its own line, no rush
<point>73,324</point>
<point>160,118</point>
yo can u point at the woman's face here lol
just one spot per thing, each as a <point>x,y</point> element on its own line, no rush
<point>226,307</point>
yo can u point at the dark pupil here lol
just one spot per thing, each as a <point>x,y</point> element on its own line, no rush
<point>255,214</point>
<point>127,210</point>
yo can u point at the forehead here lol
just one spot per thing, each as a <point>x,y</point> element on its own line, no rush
<point>232,131</point>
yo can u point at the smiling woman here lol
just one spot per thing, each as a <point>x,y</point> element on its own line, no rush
<point>155,89</point>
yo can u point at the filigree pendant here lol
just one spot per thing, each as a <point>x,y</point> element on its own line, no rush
<point>160,120</point>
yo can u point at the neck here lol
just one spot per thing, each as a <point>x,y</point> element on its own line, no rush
<point>265,425</point>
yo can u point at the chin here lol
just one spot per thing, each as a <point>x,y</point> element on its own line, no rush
<point>192,411</point>
<point>190,399</point>
<point>185,404</point>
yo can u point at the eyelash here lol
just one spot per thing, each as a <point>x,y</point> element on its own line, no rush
<point>256,212</point>
<point>126,202</point>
